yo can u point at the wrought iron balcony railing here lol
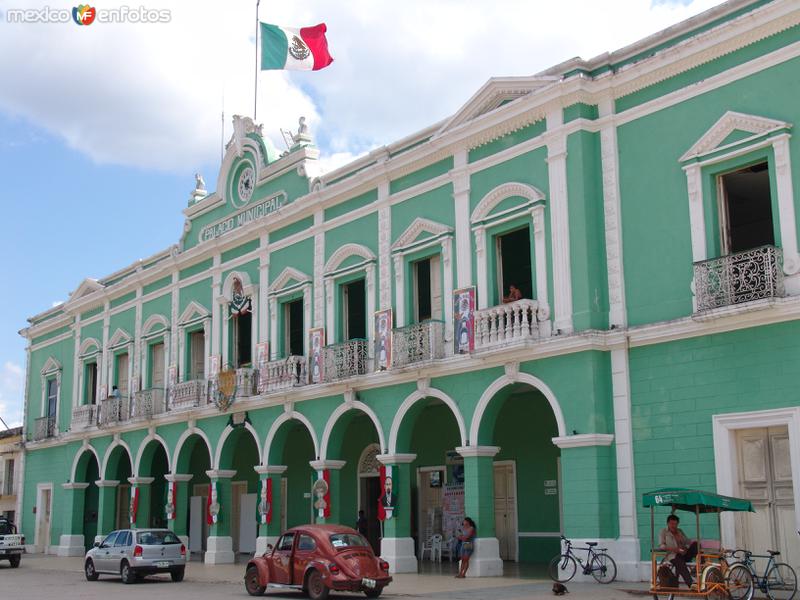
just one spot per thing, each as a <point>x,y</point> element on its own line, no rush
<point>84,416</point>
<point>147,403</point>
<point>344,360</point>
<point>737,278</point>
<point>416,343</point>
<point>43,428</point>
<point>189,394</point>
<point>246,383</point>
<point>114,410</point>
<point>283,374</point>
<point>499,325</point>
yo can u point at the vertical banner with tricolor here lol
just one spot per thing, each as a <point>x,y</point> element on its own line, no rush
<point>294,49</point>
<point>264,507</point>
<point>133,507</point>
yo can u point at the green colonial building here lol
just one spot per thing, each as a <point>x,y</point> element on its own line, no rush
<point>361,325</point>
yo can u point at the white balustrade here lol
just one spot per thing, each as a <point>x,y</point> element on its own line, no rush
<point>506,323</point>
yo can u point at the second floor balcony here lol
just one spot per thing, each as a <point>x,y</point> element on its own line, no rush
<point>188,394</point>
<point>284,373</point>
<point>147,403</point>
<point>506,323</point>
<point>84,416</point>
<point>755,274</point>
<point>43,428</point>
<point>113,410</point>
<point>345,360</point>
<point>417,343</point>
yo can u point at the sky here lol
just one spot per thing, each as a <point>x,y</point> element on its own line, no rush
<point>102,127</point>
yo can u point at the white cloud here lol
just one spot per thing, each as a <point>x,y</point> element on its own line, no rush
<point>151,95</point>
<point>12,383</point>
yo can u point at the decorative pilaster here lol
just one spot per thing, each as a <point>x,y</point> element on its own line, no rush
<point>384,247</point>
<point>397,545</point>
<point>479,505</point>
<point>319,267</point>
<point>461,188</point>
<point>333,512</point>
<point>140,489</point>
<point>540,252</point>
<point>269,532</point>
<point>180,503</point>
<point>219,545</point>
<point>71,542</point>
<point>106,506</point>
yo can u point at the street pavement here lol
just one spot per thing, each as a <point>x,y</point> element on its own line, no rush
<point>48,577</point>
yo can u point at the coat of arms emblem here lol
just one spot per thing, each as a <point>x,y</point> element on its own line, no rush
<point>298,49</point>
<point>226,389</point>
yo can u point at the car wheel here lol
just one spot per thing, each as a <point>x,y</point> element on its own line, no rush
<point>252,583</point>
<point>15,560</point>
<point>317,590</point>
<point>373,593</point>
<point>127,573</point>
<point>89,571</point>
<point>177,574</point>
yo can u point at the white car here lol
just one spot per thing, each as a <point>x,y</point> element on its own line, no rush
<point>12,544</point>
<point>134,553</point>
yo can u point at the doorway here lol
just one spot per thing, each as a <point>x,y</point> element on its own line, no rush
<point>765,478</point>
<point>505,508</point>
<point>198,526</point>
<point>122,520</point>
<point>238,489</point>
<point>43,511</point>
<point>369,493</point>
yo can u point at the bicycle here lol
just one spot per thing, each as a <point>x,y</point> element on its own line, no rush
<point>598,564</point>
<point>779,581</point>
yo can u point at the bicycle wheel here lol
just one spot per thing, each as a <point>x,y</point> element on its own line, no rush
<point>714,584</point>
<point>781,582</point>
<point>562,568</point>
<point>740,582</point>
<point>603,568</point>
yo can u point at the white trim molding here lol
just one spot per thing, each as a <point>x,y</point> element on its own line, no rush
<point>333,271</point>
<point>583,440</point>
<point>289,281</point>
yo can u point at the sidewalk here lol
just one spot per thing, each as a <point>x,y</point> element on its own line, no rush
<point>443,586</point>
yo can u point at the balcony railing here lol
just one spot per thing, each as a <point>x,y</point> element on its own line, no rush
<point>246,383</point>
<point>284,374</point>
<point>84,416</point>
<point>420,342</point>
<point>114,410</point>
<point>147,403</point>
<point>43,428</point>
<point>507,323</point>
<point>188,394</point>
<point>344,360</point>
<point>743,277</point>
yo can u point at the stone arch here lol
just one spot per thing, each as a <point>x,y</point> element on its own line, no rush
<point>153,437</point>
<point>79,455</point>
<point>183,439</point>
<point>369,459</point>
<point>151,325</point>
<point>346,251</point>
<point>89,346</point>
<point>511,378</point>
<point>338,413</point>
<point>243,277</point>
<point>415,397</point>
<point>224,436</point>
<point>120,338</point>
<point>500,193</point>
<point>276,425</point>
<point>112,447</point>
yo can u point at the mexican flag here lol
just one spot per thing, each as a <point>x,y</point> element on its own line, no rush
<point>304,49</point>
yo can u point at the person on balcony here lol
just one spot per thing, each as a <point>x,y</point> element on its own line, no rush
<point>681,550</point>
<point>513,294</point>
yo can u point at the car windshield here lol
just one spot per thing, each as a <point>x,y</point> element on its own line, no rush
<point>7,528</point>
<point>341,541</point>
<point>156,538</point>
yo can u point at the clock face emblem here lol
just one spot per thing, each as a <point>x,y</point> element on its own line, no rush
<point>247,183</point>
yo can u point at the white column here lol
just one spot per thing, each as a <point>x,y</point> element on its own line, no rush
<point>104,368</point>
<point>696,216</point>
<point>263,290</point>
<point>384,248</point>
<point>370,305</point>
<point>461,187</point>
<point>219,548</point>
<point>559,223</point>
<point>206,347</point>
<point>216,291</point>
<point>134,358</point>
<point>785,193</point>
<point>319,266</point>
<point>273,328</point>
<point>483,276</point>
<point>77,371</point>
<point>627,548</point>
<point>540,255</point>
<point>609,158</point>
<point>330,286</point>
<point>399,292</point>
<point>175,341</point>
<point>447,267</point>
<point>307,292</point>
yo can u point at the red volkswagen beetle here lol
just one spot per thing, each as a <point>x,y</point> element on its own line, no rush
<point>318,559</point>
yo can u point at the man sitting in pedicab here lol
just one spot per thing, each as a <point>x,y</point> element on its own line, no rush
<point>681,549</point>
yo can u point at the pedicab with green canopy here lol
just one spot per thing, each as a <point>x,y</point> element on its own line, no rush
<point>709,567</point>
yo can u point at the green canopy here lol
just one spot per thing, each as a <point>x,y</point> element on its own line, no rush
<point>691,500</point>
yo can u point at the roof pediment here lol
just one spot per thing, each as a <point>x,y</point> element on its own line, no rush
<point>288,278</point>
<point>495,93</point>
<point>420,230</point>
<point>721,133</point>
<point>86,287</point>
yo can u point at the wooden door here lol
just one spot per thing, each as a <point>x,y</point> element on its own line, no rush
<point>505,510</point>
<point>197,349</point>
<point>122,375</point>
<point>157,358</point>
<point>122,519</point>
<point>238,489</point>
<point>765,478</point>
<point>44,520</point>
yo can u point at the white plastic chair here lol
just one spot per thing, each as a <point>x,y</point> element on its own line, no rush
<point>436,547</point>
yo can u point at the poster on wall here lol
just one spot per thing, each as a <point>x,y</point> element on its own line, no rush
<point>452,509</point>
<point>387,503</point>
<point>464,320</point>
<point>172,375</point>
<point>262,358</point>
<point>383,339</point>
<point>316,341</point>
<point>213,364</point>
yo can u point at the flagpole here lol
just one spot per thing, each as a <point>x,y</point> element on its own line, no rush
<point>255,95</point>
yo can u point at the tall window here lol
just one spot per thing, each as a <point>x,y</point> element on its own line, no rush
<point>746,209</point>
<point>514,265</point>
<point>197,349</point>
<point>91,383</point>
<point>121,372</point>
<point>427,289</point>
<point>242,336</point>
<point>8,478</point>
<point>157,365</point>
<point>293,327</point>
<point>52,397</point>
<point>354,309</point>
